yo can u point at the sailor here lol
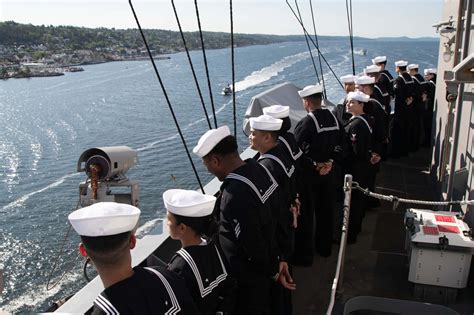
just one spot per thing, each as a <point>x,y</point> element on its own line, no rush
<point>264,139</point>
<point>380,92</point>
<point>245,224</point>
<point>319,136</point>
<point>198,262</point>
<point>416,109</point>
<point>377,120</point>
<point>385,79</point>
<point>403,88</point>
<point>359,159</point>
<point>287,141</point>
<point>107,231</point>
<point>428,97</point>
<point>374,109</point>
<point>340,110</point>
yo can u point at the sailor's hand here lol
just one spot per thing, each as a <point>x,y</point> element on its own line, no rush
<point>424,97</point>
<point>285,278</point>
<point>326,168</point>
<point>409,100</point>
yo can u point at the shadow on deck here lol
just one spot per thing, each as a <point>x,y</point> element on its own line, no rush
<point>377,265</point>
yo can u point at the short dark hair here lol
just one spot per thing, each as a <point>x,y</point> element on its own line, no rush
<point>314,98</point>
<point>107,250</point>
<point>402,68</point>
<point>226,146</point>
<point>273,134</point>
<point>200,225</point>
<point>383,62</point>
<point>285,126</point>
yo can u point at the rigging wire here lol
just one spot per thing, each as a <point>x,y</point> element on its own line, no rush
<point>205,62</point>
<point>307,43</point>
<point>166,95</point>
<point>317,47</point>
<point>191,64</point>
<point>351,38</point>
<point>233,67</point>
<point>317,43</point>
<point>60,252</point>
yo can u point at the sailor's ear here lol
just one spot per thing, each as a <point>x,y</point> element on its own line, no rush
<point>133,241</point>
<point>82,250</point>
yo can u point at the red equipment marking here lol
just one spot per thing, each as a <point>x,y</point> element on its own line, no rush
<point>445,218</point>
<point>430,230</point>
<point>448,228</point>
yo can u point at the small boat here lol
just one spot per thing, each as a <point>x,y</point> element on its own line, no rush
<point>227,90</point>
<point>361,52</point>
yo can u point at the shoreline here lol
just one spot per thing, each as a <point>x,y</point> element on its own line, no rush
<point>59,70</point>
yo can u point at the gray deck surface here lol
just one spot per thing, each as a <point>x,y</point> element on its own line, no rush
<point>377,264</point>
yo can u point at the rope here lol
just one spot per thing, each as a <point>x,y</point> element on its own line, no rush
<point>307,43</point>
<point>349,24</point>
<point>233,67</point>
<point>397,200</point>
<point>205,62</point>
<point>191,64</point>
<point>61,249</point>
<point>166,95</point>
<point>312,41</point>
<point>317,43</point>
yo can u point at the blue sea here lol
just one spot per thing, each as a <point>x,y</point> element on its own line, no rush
<point>46,123</point>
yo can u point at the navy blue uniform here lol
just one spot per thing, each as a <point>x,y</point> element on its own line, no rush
<point>205,274</point>
<point>357,163</point>
<point>149,291</point>
<point>246,233</point>
<point>319,136</point>
<point>404,89</point>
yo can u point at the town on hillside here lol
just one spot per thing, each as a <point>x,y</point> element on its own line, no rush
<point>27,50</point>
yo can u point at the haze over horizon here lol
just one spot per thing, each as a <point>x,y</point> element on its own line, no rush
<point>273,17</point>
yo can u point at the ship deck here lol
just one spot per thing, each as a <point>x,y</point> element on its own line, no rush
<point>377,265</point>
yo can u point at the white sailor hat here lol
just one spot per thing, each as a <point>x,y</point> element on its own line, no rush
<point>372,69</point>
<point>310,90</point>
<point>104,218</point>
<point>348,78</point>
<point>277,111</point>
<point>401,63</point>
<point>412,66</point>
<point>265,122</point>
<point>358,96</point>
<point>363,80</point>
<point>209,140</point>
<point>379,59</point>
<point>430,71</point>
<point>188,203</point>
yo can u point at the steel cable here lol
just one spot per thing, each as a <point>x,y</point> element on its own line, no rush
<point>166,95</point>
<point>233,67</point>
<point>205,62</point>
<point>349,23</point>
<point>307,43</point>
<point>317,43</point>
<point>191,65</point>
<point>312,41</point>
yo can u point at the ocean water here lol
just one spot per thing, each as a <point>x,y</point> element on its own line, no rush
<point>46,123</point>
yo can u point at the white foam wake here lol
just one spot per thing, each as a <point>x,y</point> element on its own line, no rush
<point>20,201</point>
<point>271,71</point>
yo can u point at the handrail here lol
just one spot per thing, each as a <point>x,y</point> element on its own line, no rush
<point>337,282</point>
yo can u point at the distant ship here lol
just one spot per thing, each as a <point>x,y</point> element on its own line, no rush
<point>227,90</point>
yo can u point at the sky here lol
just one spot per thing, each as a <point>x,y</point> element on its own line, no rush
<point>371,18</point>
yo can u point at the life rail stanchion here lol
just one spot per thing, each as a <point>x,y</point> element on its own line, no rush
<point>337,282</point>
